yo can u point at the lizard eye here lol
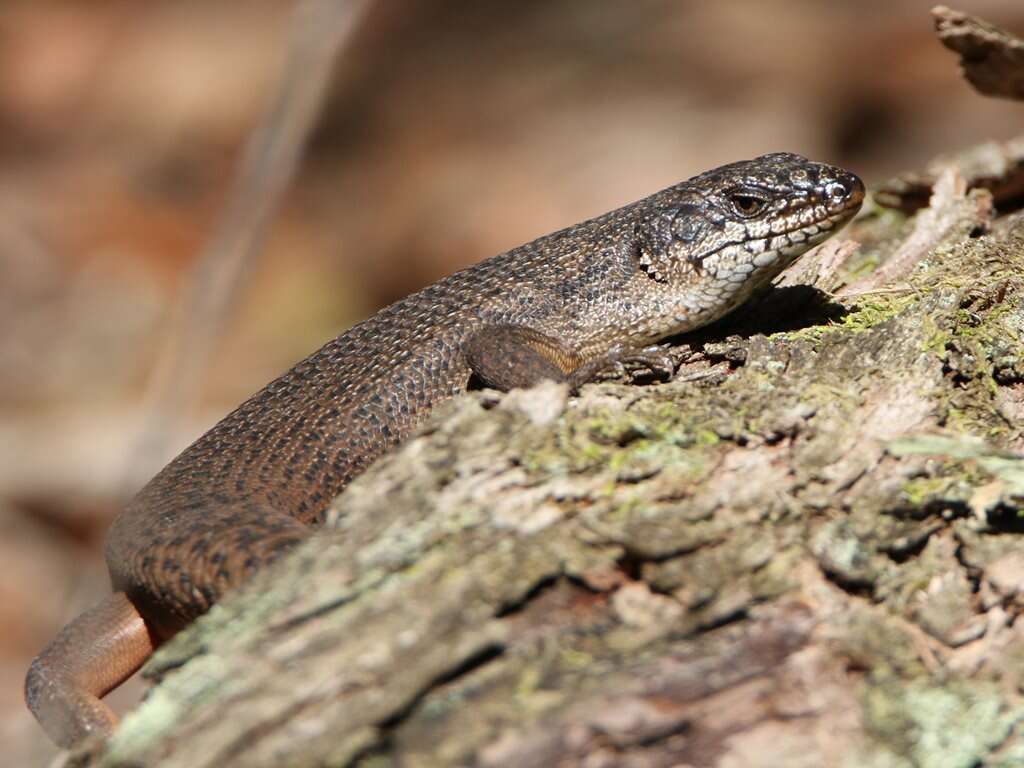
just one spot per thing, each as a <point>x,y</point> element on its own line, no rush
<point>746,205</point>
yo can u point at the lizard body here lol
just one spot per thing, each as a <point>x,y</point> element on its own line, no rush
<point>562,307</point>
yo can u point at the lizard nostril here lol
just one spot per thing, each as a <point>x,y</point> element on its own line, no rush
<point>837,191</point>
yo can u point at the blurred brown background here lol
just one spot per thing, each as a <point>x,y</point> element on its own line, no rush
<point>455,129</point>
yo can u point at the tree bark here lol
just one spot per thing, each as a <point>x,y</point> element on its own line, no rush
<point>803,551</point>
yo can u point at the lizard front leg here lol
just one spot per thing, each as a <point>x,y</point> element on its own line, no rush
<point>507,357</point>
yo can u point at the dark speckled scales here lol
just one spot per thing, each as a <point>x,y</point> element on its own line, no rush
<point>567,306</point>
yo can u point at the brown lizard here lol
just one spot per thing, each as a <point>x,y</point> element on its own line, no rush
<point>567,306</point>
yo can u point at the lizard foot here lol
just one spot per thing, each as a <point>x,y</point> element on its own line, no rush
<point>631,365</point>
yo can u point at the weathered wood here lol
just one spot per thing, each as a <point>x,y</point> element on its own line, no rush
<point>991,58</point>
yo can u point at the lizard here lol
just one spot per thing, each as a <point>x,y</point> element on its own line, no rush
<point>568,306</point>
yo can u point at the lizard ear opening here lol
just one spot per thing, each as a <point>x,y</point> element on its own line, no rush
<point>665,239</point>
<point>651,262</point>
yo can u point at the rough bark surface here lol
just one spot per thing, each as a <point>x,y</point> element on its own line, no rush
<point>806,550</point>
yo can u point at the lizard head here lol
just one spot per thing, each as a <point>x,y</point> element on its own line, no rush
<point>731,229</point>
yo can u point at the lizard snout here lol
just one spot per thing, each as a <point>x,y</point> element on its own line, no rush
<point>844,191</point>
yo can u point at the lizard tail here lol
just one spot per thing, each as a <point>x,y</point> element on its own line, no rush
<point>89,657</point>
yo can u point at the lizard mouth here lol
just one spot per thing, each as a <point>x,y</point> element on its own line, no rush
<point>777,250</point>
<point>773,246</point>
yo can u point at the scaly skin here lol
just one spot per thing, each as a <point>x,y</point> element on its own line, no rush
<point>563,307</point>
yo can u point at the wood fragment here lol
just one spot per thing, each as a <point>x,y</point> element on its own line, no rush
<point>992,59</point>
<point>994,165</point>
<point>952,215</point>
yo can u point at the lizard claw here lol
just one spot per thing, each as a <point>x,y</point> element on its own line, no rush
<point>626,364</point>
